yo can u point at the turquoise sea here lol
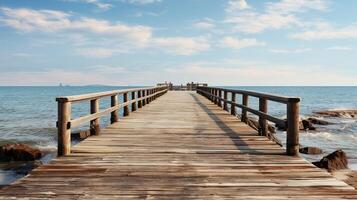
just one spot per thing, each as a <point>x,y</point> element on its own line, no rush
<point>28,115</point>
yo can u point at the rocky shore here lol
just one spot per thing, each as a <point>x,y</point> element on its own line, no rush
<point>349,113</point>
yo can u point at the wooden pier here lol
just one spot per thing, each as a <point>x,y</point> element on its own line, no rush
<point>177,145</point>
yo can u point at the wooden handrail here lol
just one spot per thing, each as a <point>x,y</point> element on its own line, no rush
<point>139,96</point>
<point>97,95</point>
<point>292,121</point>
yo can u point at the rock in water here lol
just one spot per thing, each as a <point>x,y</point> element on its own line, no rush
<point>80,135</point>
<point>310,150</point>
<point>334,161</point>
<point>19,152</point>
<point>350,113</point>
<point>303,126</point>
<point>307,125</point>
<point>255,125</point>
<point>317,121</point>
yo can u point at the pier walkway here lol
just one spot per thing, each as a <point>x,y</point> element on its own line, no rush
<point>180,146</point>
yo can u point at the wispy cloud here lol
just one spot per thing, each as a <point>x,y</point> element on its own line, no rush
<point>206,23</point>
<point>98,3</point>
<point>22,55</point>
<point>340,48</point>
<point>133,36</point>
<point>95,52</point>
<point>286,51</point>
<point>277,15</point>
<point>327,32</point>
<point>183,45</point>
<point>29,20</point>
<point>141,2</point>
<point>236,43</point>
<point>236,5</point>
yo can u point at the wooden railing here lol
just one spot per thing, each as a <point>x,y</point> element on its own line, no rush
<point>219,97</point>
<point>139,98</point>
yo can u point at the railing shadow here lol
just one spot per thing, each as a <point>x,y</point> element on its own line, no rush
<point>232,134</point>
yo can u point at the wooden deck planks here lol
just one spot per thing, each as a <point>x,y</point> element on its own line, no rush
<point>180,146</point>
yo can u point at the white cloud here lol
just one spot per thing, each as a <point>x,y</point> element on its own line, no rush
<point>51,21</point>
<point>141,2</point>
<point>183,45</point>
<point>327,32</point>
<point>292,6</point>
<point>241,43</point>
<point>285,51</point>
<point>205,24</point>
<point>340,48</point>
<point>98,3</point>
<point>106,69</point>
<point>127,36</point>
<point>236,5</point>
<point>22,55</point>
<point>95,52</point>
<point>252,22</point>
<point>277,15</point>
<point>104,5</point>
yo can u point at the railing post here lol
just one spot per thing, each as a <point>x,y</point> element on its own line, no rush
<point>244,111</point>
<point>144,100</point>
<point>233,107</point>
<point>126,108</point>
<point>94,124</point>
<point>147,94</point>
<point>215,96</point>
<point>133,105</point>
<point>212,93</point>
<point>64,131</point>
<point>263,126</point>
<point>140,101</point>
<point>114,115</point>
<point>225,107</point>
<point>292,137</point>
<point>219,102</point>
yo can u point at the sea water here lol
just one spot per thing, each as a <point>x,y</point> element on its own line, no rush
<point>28,115</point>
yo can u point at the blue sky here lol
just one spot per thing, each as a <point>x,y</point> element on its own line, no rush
<point>142,42</point>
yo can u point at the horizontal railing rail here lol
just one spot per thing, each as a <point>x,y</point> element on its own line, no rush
<point>220,97</point>
<point>139,98</point>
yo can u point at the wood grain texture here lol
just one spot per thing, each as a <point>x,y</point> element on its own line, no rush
<point>180,146</point>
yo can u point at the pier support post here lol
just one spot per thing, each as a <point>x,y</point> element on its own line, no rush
<point>133,105</point>
<point>263,124</point>
<point>292,137</point>
<point>244,111</point>
<point>114,115</point>
<point>64,129</point>
<point>126,108</point>
<point>233,107</point>
<point>94,124</point>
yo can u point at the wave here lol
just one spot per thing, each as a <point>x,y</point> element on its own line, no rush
<point>325,135</point>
